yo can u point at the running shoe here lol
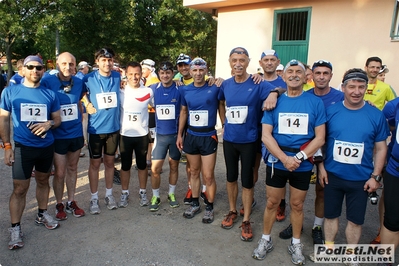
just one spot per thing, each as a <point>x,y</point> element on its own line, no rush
<point>280,215</point>
<point>59,212</point>
<point>94,207</point>
<point>143,199</point>
<point>229,220</point>
<point>287,232</point>
<point>296,253</point>
<point>204,197</point>
<point>242,207</point>
<point>208,217</point>
<point>376,240</point>
<point>192,211</point>
<point>189,197</point>
<point>74,209</point>
<point>246,231</point>
<point>47,220</point>
<point>110,202</point>
<point>317,235</point>
<point>313,178</point>
<point>263,248</point>
<point>172,201</point>
<point>124,200</point>
<point>16,238</point>
<point>154,204</point>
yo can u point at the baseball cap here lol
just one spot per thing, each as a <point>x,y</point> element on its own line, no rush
<point>294,62</point>
<point>268,52</point>
<point>32,58</point>
<point>148,63</point>
<point>322,63</point>
<point>239,50</point>
<point>280,67</point>
<point>82,64</point>
<point>198,63</point>
<point>384,69</point>
<point>183,58</point>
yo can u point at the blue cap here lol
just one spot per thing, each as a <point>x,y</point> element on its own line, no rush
<point>32,58</point>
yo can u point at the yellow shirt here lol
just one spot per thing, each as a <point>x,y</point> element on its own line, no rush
<point>379,93</point>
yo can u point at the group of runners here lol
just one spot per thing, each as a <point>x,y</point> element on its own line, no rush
<point>336,132</point>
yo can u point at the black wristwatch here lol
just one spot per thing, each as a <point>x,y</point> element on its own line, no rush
<point>376,177</point>
<point>276,91</point>
<point>300,156</point>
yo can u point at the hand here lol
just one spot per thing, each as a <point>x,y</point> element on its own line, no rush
<point>323,178</point>
<point>371,185</point>
<point>270,102</point>
<point>257,78</point>
<point>218,82</point>
<point>179,143</point>
<point>40,128</point>
<point>8,157</point>
<point>291,164</point>
<point>90,109</point>
<point>179,83</point>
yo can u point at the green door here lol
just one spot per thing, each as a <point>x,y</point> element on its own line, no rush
<point>291,33</point>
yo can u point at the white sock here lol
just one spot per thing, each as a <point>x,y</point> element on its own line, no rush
<point>172,189</point>
<point>142,191</point>
<point>155,193</point>
<point>295,241</point>
<point>94,196</point>
<point>203,188</point>
<point>108,192</point>
<point>125,191</point>
<point>189,185</point>
<point>267,237</point>
<point>318,222</point>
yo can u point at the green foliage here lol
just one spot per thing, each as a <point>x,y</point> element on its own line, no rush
<point>135,29</point>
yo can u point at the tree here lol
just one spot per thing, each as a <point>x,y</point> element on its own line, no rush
<point>19,20</point>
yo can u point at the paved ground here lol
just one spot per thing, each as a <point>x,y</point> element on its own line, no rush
<point>135,236</point>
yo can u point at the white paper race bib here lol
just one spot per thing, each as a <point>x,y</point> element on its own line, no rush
<point>348,152</point>
<point>33,112</point>
<point>132,117</point>
<point>166,112</point>
<point>293,123</point>
<point>237,114</point>
<point>152,132</point>
<point>69,112</point>
<point>199,118</point>
<point>106,100</point>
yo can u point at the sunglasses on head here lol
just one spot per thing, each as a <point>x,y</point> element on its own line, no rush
<point>38,68</point>
<point>165,67</point>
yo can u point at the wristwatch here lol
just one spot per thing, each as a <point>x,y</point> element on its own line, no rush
<point>376,177</point>
<point>300,156</point>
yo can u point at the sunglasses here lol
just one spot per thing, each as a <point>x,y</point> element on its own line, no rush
<point>38,68</point>
<point>165,67</point>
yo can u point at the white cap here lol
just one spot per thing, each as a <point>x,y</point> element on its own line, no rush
<point>82,64</point>
<point>280,67</point>
<point>148,63</point>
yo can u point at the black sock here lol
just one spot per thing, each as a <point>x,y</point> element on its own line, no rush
<point>41,212</point>
<point>195,201</point>
<point>282,203</point>
<point>209,206</point>
<point>16,224</point>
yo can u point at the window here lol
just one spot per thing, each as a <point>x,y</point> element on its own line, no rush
<point>292,26</point>
<point>395,22</point>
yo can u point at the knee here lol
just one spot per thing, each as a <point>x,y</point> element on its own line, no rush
<point>272,203</point>
<point>296,205</point>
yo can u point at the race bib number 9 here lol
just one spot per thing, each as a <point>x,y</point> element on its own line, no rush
<point>199,118</point>
<point>69,112</point>
<point>293,123</point>
<point>237,114</point>
<point>106,100</point>
<point>348,152</point>
<point>165,112</point>
<point>33,112</point>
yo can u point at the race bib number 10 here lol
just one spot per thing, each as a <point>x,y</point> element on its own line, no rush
<point>165,112</point>
<point>348,152</point>
<point>293,123</point>
<point>33,112</point>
